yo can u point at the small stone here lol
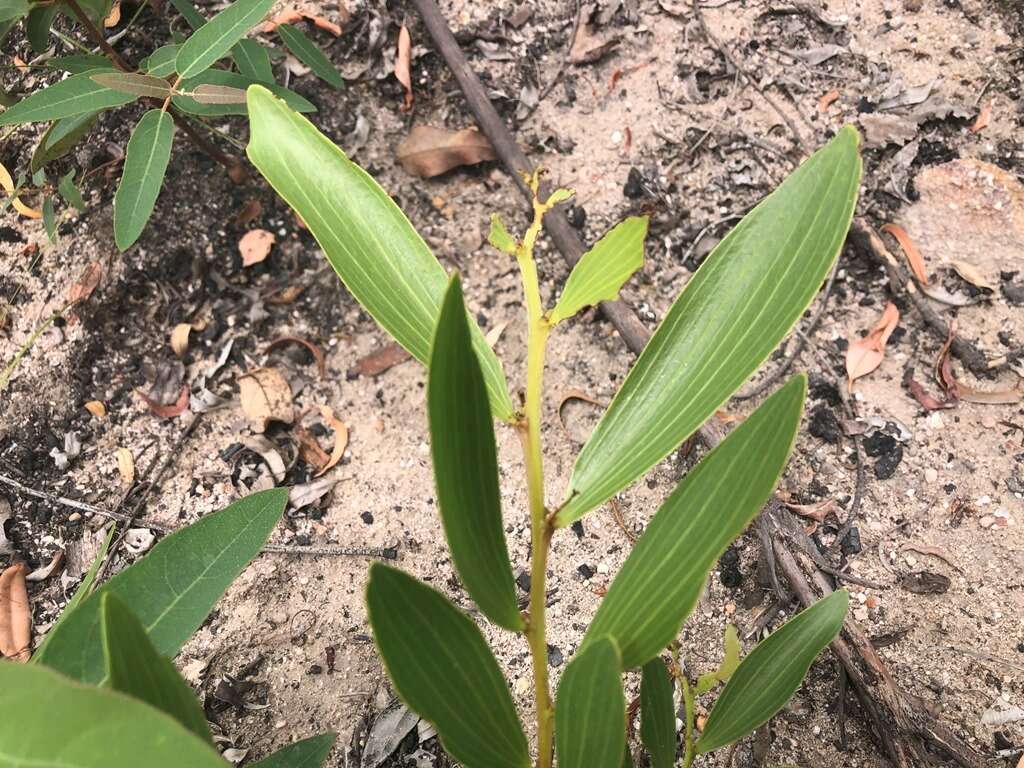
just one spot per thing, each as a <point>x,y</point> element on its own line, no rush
<point>555,657</point>
<point>730,609</point>
<point>931,475</point>
<point>585,571</point>
<point>316,669</point>
<point>522,685</point>
<point>523,580</point>
<point>824,424</point>
<point>577,528</point>
<point>987,521</point>
<point>885,467</point>
<point>872,602</point>
<point>74,517</point>
<point>367,517</point>
<point>634,186</point>
<point>851,542</point>
<point>602,568</point>
<point>860,613</point>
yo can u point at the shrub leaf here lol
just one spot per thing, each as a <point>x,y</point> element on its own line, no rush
<point>253,61</point>
<point>74,96</point>
<point>466,465</point>
<point>770,674</point>
<point>145,163</point>
<point>442,668</point>
<point>134,83</point>
<point>215,38</point>
<point>604,269</point>
<point>590,713</point>
<point>161,61</point>
<point>137,670</point>
<point>308,753</point>
<point>662,578</point>
<point>368,240</point>
<point>172,589</point>
<point>306,51</point>
<point>54,721</point>
<point>231,80</point>
<point>731,315</point>
<point>657,714</point>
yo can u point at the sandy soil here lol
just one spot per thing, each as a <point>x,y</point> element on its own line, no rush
<point>661,124</point>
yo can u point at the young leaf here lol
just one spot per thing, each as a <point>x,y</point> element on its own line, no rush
<point>368,240</point>
<point>160,62</point>
<point>172,589</point>
<point>604,269</point>
<point>732,314</point>
<point>207,93</point>
<point>658,714</point>
<point>771,673</point>
<point>466,465</point>
<point>13,9</point>
<point>307,52</point>
<point>78,63</point>
<point>590,714</point>
<point>308,753</point>
<point>60,137</point>
<point>662,578</point>
<point>729,663</point>
<point>145,162</point>
<point>135,668</point>
<point>53,721</point>
<point>73,96</point>
<point>253,61</point>
<point>231,80</point>
<point>37,26</point>
<point>135,84</point>
<point>50,219</point>
<point>499,236</point>
<point>215,39</point>
<point>442,668</point>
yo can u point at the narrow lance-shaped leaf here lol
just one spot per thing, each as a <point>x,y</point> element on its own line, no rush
<point>135,668</point>
<point>309,54</point>
<point>227,79</point>
<point>145,162</point>
<point>442,668</point>
<point>731,315</point>
<point>53,721</point>
<point>466,465</point>
<point>658,714</point>
<point>50,219</point>
<point>172,589</point>
<point>60,138</point>
<point>161,61</point>
<point>78,63</point>
<point>308,753</point>
<point>215,39</point>
<point>135,83</point>
<point>368,240</point>
<point>604,269</point>
<point>590,713</point>
<point>73,96</point>
<point>37,26</point>
<point>207,93</point>
<point>770,674</point>
<point>189,13</point>
<point>84,588</point>
<point>253,61</point>
<point>662,578</point>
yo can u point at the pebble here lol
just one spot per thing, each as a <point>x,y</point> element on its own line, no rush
<point>931,475</point>
<point>602,568</point>
<point>74,517</point>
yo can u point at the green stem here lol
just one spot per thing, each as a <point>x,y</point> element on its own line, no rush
<point>540,526</point>
<point>688,702</point>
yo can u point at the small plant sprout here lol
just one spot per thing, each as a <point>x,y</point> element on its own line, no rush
<point>731,315</point>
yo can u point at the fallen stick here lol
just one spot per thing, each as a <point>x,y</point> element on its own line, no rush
<point>889,732</point>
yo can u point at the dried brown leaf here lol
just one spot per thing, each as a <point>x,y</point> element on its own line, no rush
<point>15,615</point>
<point>292,15</point>
<point>403,64</point>
<point>288,295</point>
<point>428,152</point>
<point>983,119</point>
<point>179,338</point>
<point>376,363</point>
<point>919,393</point>
<point>251,210</point>
<point>42,574</point>
<point>255,245</point>
<point>314,350</point>
<point>913,254</point>
<point>167,411</point>
<point>340,437</point>
<point>817,511</point>
<point>589,45</point>
<point>266,396</point>
<point>310,450</point>
<point>827,100</point>
<point>866,354</point>
<point>958,390</point>
<point>125,465</point>
<point>96,408</point>
<point>971,274</point>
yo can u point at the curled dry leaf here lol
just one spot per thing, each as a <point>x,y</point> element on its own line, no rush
<point>41,574</point>
<point>86,284</point>
<point>403,63</point>
<point>179,338</point>
<point>267,451</point>
<point>309,493</point>
<point>15,615</point>
<point>292,15</point>
<point>114,17</point>
<point>983,119</point>
<point>314,350</point>
<point>574,395</point>
<point>97,409</point>
<point>428,152</point>
<point>6,548</point>
<point>125,465</point>
<point>816,512</point>
<point>919,393</point>
<point>167,411</point>
<point>266,396</point>
<point>913,254</point>
<point>8,185</point>
<point>827,100</point>
<point>376,363</point>
<point>340,436</point>
<point>255,245</point>
<point>309,449</point>
<point>867,353</point>
<point>958,390</point>
<point>971,274</point>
